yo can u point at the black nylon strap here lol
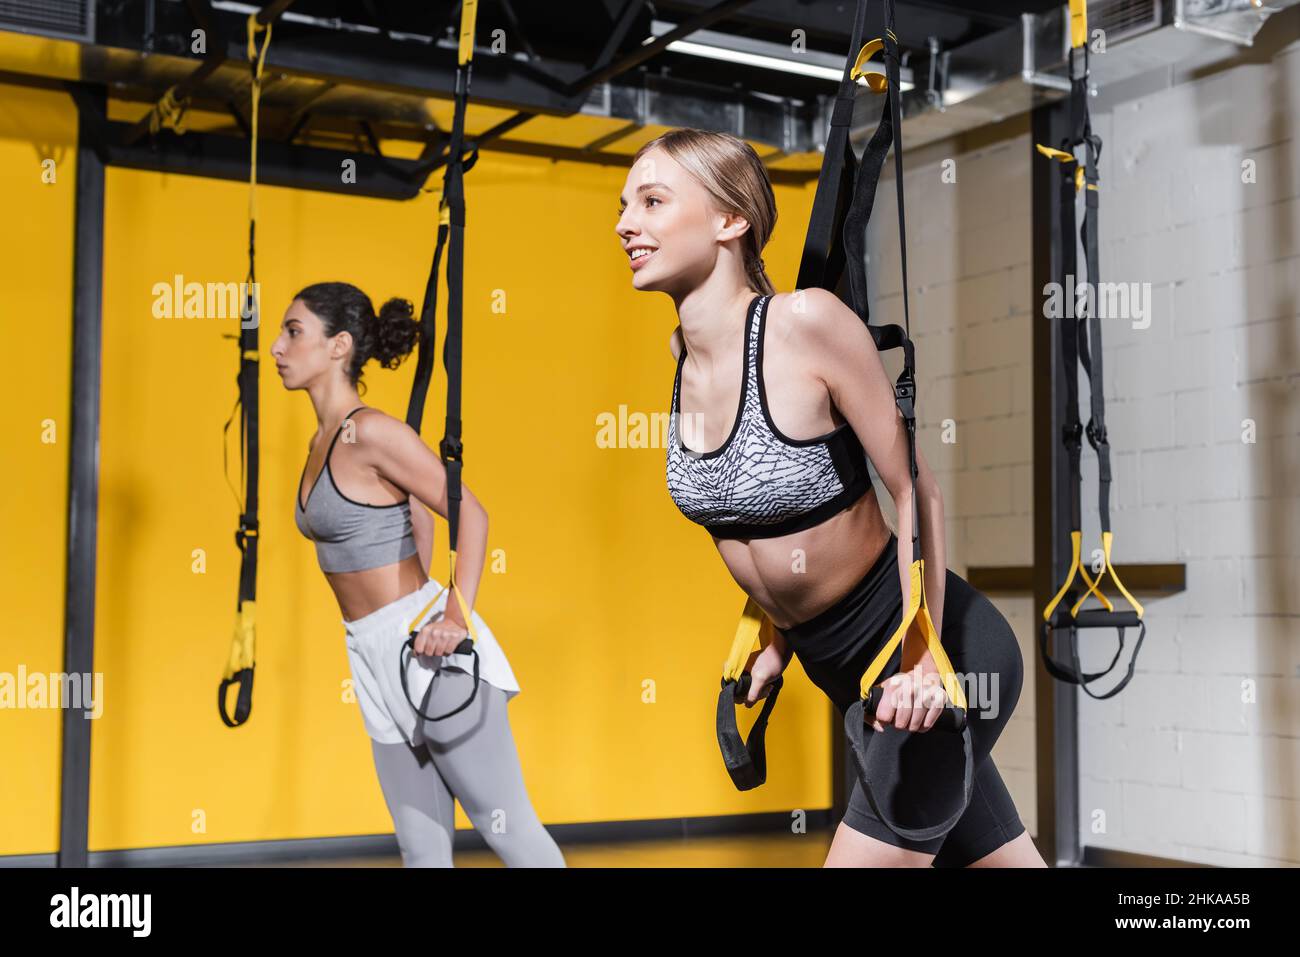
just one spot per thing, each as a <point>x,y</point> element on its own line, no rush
<point>248,533</point>
<point>855,726</point>
<point>249,365</point>
<point>822,262</point>
<point>1096,430</point>
<point>451,237</point>
<point>1071,337</point>
<point>1073,673</point>
<point>746,760</point>
<point>451,448</point>
<point>905,391</point>
<point>1081,345</point>
<point>428,335</point>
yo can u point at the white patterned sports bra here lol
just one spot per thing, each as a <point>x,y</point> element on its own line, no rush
<point>761,484</point>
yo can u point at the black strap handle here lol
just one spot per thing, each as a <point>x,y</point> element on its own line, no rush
<point>466,647</point>
<point>746,760</point>
<point>243,701</point>
<point>953,720</point>
<point>1073,672</point>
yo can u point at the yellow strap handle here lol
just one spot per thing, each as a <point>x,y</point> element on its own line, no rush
<point>241,649</point>
<point>917,617</point>
<point>1094,588</point>
<point>169,112</point>
<point>876,82</point>
<point>468,14</point>
<point>460,600</point>
<point>1058,155</point>
<point>1076,568</point>
<point>747,636</point>
<point>1078,23</point>
<point>1061,156</point>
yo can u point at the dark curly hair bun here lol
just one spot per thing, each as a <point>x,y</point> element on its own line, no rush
<point>387,336</point>
<point>395,332</point>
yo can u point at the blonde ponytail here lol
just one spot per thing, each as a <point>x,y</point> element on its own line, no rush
<point>757,273</point>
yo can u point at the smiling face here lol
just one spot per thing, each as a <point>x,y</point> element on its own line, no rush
<point>669,226</point>
<point>303,351</point>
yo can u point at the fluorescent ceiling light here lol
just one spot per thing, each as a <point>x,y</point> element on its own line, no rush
<point>762,54</point>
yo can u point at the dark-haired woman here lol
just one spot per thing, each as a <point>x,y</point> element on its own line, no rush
<point>359,499</point>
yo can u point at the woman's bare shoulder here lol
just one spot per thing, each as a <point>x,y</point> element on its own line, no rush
<point>377,428</point>
<point>816,320</point>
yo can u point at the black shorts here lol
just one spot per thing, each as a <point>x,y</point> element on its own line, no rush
<point>835,648</point>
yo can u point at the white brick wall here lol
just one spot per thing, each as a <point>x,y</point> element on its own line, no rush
<point>1182,764</point>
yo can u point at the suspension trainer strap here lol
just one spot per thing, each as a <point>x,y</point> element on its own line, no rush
<point>242,660</point>
<point>822,265</point>
<point>823,250</point>
<point>916,618</point>
<point>1081,345</point>
<point>451,238</point>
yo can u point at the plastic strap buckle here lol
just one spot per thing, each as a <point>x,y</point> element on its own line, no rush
<point>905,397</point>
<point>452,449</point>
<point>1072,435</point>
<point>1096,435</point>
<point>247,529</point>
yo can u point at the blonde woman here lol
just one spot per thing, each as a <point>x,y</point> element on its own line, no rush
<point>778,401</point>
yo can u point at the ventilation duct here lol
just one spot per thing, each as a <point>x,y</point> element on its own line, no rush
<point>62,19</point>
<point>1021,67</point>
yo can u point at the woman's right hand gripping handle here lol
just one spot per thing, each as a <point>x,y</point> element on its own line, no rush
<point>766,666</point>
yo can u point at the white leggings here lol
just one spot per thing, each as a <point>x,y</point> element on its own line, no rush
<point>471,757</point>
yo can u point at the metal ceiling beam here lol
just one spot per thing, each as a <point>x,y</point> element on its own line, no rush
<point>602,74</point>
<point>278,164</point>
<point>626,20</point>
<point>217,49</point>
<point>649,50</point>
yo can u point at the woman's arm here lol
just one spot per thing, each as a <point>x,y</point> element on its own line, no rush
<point>930,510</point>
<point>422,529</point>
<point>400,456</point>
<point>854,375</point>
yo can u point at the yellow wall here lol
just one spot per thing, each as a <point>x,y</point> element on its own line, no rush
<point>606,586</point>
<point>35,319</point>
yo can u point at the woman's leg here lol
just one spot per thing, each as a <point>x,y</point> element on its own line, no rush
<point>1019,852</point>
<point>852,848</point>
<point>418,799</point>
<point>475,754</point>
<point>980,643</point>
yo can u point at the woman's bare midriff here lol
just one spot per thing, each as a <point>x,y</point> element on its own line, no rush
<point>363,592</point>
<point>797,577</point>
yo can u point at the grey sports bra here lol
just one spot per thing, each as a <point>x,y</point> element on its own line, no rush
<point>761,484</point>
<point>351,536</point>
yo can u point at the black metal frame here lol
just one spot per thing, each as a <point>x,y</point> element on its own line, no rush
<point>83,481</point>
<point>1055,707</point>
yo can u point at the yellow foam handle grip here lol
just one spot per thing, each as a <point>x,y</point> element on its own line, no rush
<point>917,618</point>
